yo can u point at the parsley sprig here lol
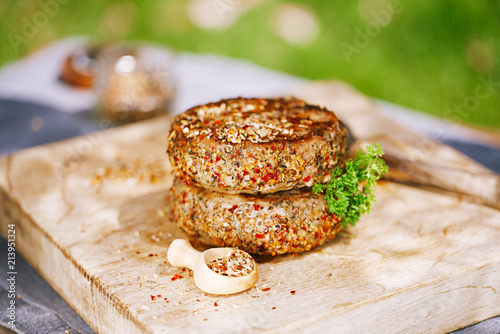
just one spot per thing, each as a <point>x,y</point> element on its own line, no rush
<point>351,192</point>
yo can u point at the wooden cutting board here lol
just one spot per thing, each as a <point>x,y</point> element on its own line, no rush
<point>93,216</point>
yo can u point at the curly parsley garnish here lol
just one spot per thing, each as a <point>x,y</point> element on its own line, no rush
<point>351,192</point>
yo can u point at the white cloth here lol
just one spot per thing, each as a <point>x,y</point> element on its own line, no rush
<point>198,79</point>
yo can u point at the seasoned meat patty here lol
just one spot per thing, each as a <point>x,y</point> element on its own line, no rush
<point>256,145</point>
<point>285,222</point>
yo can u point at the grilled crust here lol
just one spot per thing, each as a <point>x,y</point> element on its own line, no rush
<point>256,145</point>
<point>285,222</point>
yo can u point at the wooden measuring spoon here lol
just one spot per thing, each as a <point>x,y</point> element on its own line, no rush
<point>182,254</point>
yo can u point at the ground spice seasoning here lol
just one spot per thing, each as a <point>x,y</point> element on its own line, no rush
<point>134,172</point>
<point>236,264</point>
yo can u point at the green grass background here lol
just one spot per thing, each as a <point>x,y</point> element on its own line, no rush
<point>419,60</point>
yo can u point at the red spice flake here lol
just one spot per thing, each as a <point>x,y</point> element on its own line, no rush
<point>253,180</point>
<point>216,175</point>
<point>153,297</point>
<point>217,159</point>
<point>233,208</point>
<point>183,269</point>
<point>256,170</point>
<point>215,304</point>
<point>292,292</point>
<point>151,255</point>
<point>259,235</point>
<point>266,289</point>
<point>307,179</point>
<point>159,296</point>
<point>235,264</point>
<point>256,207</point>
<point>201,137</point>
<point>274,308</point>
<point>273,148</point>
<point>197,300</point>
<point>176,277</point>
<point>271,176</point>
<point>205,319</point>
<point>245,173</point>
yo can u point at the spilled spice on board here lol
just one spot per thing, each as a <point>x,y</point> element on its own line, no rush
<point>138,171</point>
<point>236,264</point>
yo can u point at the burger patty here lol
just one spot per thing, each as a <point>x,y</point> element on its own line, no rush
<point>256,145</point>
<point>285,222</point>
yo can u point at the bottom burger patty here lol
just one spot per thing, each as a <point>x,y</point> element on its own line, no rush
<point>285,222</point>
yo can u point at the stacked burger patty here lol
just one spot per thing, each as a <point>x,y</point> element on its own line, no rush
<point>244,168</point>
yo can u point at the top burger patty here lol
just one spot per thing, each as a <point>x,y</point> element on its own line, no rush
<point>256,145</point>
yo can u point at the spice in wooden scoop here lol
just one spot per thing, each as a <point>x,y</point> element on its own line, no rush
<point>236,264</point>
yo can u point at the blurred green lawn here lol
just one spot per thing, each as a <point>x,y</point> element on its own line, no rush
<point>441,57</point>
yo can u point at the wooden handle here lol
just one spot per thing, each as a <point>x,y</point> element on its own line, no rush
<point>182,254</point>
<point>412,157</point>
<point>484,188</point>
<point>436,169</point>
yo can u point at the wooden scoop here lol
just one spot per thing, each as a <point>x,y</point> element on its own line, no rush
<point>182,254</point>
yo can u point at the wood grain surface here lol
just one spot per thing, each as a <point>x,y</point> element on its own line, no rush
<point>422,261</point>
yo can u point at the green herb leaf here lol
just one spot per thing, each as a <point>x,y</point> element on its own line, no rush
<point>351,191</point>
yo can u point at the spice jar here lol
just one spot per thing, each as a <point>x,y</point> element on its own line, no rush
<point>78,67</point>
<point>134,83</point>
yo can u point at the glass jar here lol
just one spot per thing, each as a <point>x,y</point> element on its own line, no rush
<point>134,82</point>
